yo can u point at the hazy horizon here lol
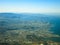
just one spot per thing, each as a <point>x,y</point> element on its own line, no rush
<point>30,6</point>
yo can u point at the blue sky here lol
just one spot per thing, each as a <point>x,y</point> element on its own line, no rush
<point>30,6</point>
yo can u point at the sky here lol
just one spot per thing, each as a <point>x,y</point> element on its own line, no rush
<point>30,6</point>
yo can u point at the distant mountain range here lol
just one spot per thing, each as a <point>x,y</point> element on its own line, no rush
<point>26,27</point>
